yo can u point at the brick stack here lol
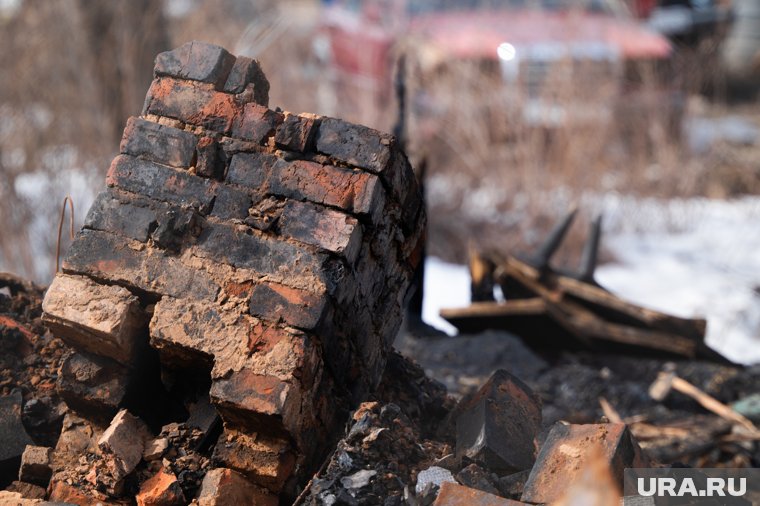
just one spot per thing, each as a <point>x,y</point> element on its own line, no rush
<point>273,249</point>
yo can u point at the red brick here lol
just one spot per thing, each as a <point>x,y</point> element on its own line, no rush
<point>194,103</point>
<point>299,308</point>
<point>268,462</point>
<point>158,143</point>
<point>326,228</point>
<point>257,123</point>
<point>161,489</point>
<point>452,494</point>
<point>104,320</point>
<point>225,487</point>
<point>570,449</point>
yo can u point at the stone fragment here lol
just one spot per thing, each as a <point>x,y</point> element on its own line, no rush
<point>158,143</point>
<point>161,183</point>
<point>9,498</point>
<point>225,487</point>
<point>197,61</point>
<point>265,461</point>
<point>106,256</point>
<point>296,133</point>
<point>498,426</point>
<point>326,228</point>
<point>155,449</point>
<point>36,462</point>
<point>78,437</point>
<point>13,436</point>
<point>91,385</point>
<point>452,494</point>
<point>355,145</point>
<point>63,493</point>
<point>300,308</point>
<point>257,123</point>
<point>122,444</point>
<point>247,77</point>
<point>161,489</point>
<point>209,161</point>
<point>104,320</point>
<point>569,449</point>
<point>476,477</point>
<point>195,103</point>
<point>27,490</point>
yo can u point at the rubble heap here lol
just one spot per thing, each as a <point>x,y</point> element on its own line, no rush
<point>269,251</point>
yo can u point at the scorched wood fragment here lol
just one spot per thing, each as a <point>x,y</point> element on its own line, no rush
<point>270,250</point>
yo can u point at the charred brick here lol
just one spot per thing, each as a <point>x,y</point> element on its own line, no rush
<point>158,143</point>
<point>194,103</point>
<point>498,426</point>
<point>256,123</point>
<point>246,76</point>
<point>355,145</point>
<point>263,255</point>
<point>173,227</point>
<point>296,133</point>
<point>325,228</point>
<point>251,169</point>
<point>106,256</point>
<point>299,308</point>
<point>109,212</point>
<point>161,183</point>
<point>231,203</point>
<point>92,386</point>
<point>210,159</point>
<point>13,436</point>
<point>197,61</point>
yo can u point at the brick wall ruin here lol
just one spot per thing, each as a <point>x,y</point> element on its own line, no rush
<point>272,251</point>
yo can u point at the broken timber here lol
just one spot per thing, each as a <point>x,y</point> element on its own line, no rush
<point>550,309</point>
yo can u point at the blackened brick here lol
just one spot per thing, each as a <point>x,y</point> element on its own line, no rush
<point>264,255</point>
<point>256,123</point>
<point>197,61</point>
<point>106,256</point>
<point>251,169</point>
<point>326,228</point>
<point>296,133</point>
<point>158,143</point>
<point>354,144</point>
<point>231,203</point>
<point>161,183</point>
<point>246,76</point>
<point>111,213</point>
<point>210,159</point>
<point>93,386</point>
<point>195,103</point>
<point>299,308</point>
